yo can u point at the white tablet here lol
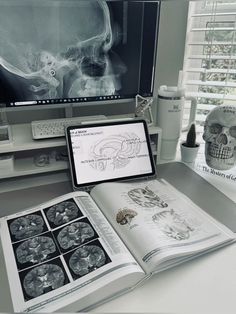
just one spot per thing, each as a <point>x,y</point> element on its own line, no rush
<point>109,151</point>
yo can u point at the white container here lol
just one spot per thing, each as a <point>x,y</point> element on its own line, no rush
<point>170,107</point>
<point>188,154</point>
<point>6,162</point>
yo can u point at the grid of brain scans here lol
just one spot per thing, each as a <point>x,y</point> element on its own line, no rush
<point>53,247</point>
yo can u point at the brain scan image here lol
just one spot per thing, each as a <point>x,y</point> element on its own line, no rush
<point>75,234</point>
<point>43,279</point>
<point>173,225</point>
<point>87,259</point>
<point>146,198</point>
<point>27,226</point>
<point>62,213</point>
<point>35,250</point>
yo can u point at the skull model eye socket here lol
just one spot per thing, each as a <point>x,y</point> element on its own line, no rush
<point>232,131</point>
<point>215,128</point>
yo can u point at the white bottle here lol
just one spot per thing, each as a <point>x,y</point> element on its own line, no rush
<point>169,118</point>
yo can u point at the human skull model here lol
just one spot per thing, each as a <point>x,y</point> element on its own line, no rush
<point>220,137</point>
<point>57,48</point>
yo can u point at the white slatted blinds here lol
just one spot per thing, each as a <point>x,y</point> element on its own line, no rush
<point>210,55</point>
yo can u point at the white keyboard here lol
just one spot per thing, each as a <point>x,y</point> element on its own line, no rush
<point>42,129</point>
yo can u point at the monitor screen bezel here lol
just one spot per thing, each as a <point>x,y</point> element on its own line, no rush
<point>88,185</point>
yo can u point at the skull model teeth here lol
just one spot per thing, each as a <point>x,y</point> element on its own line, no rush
<point>220,152</point>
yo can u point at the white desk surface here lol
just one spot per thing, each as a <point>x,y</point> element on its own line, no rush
<point>203,285</point>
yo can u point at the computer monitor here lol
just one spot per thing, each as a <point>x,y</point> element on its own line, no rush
<point>76,51</point>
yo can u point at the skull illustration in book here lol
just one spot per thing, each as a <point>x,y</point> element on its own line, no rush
<point>220,137</point>
<point>52,51</point>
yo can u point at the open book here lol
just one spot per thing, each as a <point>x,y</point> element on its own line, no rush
<point>79,250</point>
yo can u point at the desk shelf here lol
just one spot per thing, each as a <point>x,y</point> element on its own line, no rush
<point>24,148</point>
<point>22,140</point>
<point>26,166</point>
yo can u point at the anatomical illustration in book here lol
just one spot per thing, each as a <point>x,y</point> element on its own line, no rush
<point>125,216</point>
<point>172,224</point>
<point>160,212</point>
<point>54,246</point>
<point>115,151</point>
<point>146,198</point>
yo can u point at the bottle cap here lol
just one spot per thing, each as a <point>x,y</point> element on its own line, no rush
<point>170,92</point>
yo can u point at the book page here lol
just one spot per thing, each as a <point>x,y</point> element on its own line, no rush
<point>60,252</point>
<point>157,222</point>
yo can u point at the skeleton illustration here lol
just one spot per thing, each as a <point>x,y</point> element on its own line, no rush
<point>86,259</point>
<point>75,234</point>
<point>146,198</point>
<point>62,213</point>
<point>27,226</point>
<point>172,225</point>
<point>35,250</point>
<point>220,137</point>
<point>115,151</point>
<point>42,279</point>
<point>124,216</point>
<point>56,51</point>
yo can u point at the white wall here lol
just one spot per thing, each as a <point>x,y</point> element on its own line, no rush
<point>171,41</point>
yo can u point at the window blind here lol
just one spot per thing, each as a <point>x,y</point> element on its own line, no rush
<point>209,71</point>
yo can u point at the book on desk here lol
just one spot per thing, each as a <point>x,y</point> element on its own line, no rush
<point>81,249</point>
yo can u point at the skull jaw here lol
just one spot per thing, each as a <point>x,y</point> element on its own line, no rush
<point>218,163</point>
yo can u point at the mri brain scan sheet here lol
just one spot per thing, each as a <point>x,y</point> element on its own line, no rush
<point>87,258</point>
<point>35,250</point>
<point>27,226</point>
<point>52,247</point>
<point>62,213</point>
<point>74,234</point>
<point>43,279</point>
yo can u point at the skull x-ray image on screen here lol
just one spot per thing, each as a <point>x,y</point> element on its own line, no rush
<point>53,51</point>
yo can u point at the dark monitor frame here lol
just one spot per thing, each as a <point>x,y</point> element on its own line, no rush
<point>109,99</point>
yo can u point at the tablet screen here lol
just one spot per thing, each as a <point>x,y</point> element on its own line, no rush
<point>109,151</point>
